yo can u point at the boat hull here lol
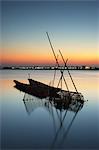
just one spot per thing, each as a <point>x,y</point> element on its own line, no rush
<point>42,90</point>
<point>37,90</point>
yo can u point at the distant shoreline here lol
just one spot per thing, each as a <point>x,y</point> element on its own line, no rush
<point>54,69</point>
<point>49,68</point>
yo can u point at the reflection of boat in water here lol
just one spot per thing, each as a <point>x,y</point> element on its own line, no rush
<point>55,110</point>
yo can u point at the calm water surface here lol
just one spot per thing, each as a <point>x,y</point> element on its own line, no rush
<point>33,125</point>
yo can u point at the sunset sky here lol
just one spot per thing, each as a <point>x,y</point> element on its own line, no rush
<point>72,26</point>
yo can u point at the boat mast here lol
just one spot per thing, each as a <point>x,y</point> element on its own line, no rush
<point>54,75</point>
<point>68,71</point>
<point>60,80</point>
<point>57,61</point>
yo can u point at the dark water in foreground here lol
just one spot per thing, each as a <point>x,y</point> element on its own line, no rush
<point>32,125</point>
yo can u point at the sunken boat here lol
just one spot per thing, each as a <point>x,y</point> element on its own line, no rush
<point>54,99</point>
<point>42,90</point>
<point>55,94</point>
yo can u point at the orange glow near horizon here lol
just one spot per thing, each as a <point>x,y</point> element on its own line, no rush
<point>29,59</point>
<point>26,59</point>
<point>45,57</point>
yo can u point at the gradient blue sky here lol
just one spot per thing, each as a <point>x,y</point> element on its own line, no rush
<point>73,27</point>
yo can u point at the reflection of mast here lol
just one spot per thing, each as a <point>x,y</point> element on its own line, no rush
<point>31,103</point>
<point>49,107</point>
<point>69,126</point>
<point>59,129</point>
<point>62,127</point>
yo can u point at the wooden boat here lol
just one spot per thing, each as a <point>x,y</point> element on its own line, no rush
<point>42,90</point>
<point>37,84</point>
<point>55,99</point>
<point>61,93</point>
<point>38,89</point>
